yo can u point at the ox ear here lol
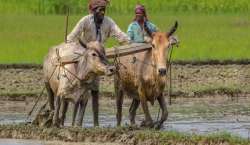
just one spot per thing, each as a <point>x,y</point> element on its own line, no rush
<point>82,44</point>
<point>172,30</point>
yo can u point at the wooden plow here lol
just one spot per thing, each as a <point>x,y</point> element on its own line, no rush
<point>110,53</point>
<point>127,50</point>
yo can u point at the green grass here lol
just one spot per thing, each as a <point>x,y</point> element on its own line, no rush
<point>26,38</point>
<point>123,6</point>
<point>172,137</point>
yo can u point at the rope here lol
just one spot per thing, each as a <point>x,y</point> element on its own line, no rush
<point>66,25</point>
<point>149,64</point>
<point>116,60</point>
<point>71,82</point>
<point>72,74</point>
<point>39,97</point>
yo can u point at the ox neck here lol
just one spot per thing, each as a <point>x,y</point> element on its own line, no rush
<point>83,68</point>
<point>157,78</point>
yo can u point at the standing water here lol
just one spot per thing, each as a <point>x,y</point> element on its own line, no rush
<point>192,115</point>
<point>19,142</point>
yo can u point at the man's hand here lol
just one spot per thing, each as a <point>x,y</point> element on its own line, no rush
<point>125,43</point>
<point>148,39</point>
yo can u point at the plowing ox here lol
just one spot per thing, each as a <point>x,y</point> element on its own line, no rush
<point>142,77</point>
<point>70,82</point>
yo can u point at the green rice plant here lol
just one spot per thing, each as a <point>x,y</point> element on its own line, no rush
<point>27,38</point>
<point>124,6</point>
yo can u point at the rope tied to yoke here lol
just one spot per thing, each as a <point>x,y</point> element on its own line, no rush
<point>60,65</point>
<point>76,77</point>
<point>38,98</point>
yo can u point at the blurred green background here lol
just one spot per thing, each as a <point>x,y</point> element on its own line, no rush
<point>209,29</point>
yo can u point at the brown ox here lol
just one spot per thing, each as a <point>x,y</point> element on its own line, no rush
<point>142,76</point>
<point>71,82</point>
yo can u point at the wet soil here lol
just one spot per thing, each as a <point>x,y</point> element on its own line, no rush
<point>190,115</point>
<point>187,81</point>
<point>208,99</point>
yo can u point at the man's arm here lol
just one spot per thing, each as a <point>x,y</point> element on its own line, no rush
<point>152,27</point>
<point>76,32</point>
<point>117,33</point>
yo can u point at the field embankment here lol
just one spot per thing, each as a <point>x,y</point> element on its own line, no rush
<point>127,136</point>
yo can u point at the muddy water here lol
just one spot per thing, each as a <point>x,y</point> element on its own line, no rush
<point>19,142</point>
<point>190,115</point>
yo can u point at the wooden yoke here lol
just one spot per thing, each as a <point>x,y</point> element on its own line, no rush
<point>110,53</point>
<point>69,59</point>
<point>127,49</point>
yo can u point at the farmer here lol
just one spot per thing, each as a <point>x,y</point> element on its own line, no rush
<point>140,30</point>
<point>96,27</point>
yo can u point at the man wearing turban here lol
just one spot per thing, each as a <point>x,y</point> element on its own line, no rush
<point>140,30</point>
<point>96,27</point>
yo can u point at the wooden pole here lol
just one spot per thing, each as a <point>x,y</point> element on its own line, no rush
<point>66,25</point>
<point>127,50</point>
<point>170,84</point>
<point>170,77</point>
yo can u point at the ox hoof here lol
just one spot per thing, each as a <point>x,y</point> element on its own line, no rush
<point>133,126</point>
<point>61,121</point>
<point>149,124</point>
<point>79,125</point>
<point>158,125</point>
<point>56,124</point>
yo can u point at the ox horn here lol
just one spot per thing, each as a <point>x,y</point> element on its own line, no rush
<point>82,44</point>
<point>173,29</point>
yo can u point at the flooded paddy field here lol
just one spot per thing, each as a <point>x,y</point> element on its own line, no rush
<point>189,115</point>
<point>208,99</point>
